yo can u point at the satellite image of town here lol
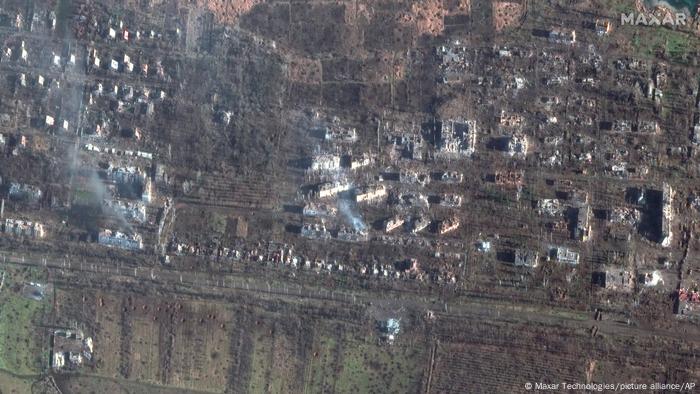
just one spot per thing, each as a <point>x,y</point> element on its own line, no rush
<point>349,196</point>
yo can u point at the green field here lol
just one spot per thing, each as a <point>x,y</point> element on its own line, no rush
<point>369,367</point>
<point>335,360</point>
<point>320,370</point>
<point>20,339</point>
<point>651,40</point>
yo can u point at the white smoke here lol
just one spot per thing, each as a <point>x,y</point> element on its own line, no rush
<point>105,199</point>
<point>352,215</point>
<point>655,279</point>
<point>347,208</point>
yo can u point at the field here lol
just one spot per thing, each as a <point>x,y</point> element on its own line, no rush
<point>337,359</point>
<point>241,346</point>
<point>10,384</point>
<point>20,339</point>
<point>675,44</point>
<point>153,340</point>
<point>368,368</point>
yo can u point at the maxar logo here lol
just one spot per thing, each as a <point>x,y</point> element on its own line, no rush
<point>678,19</point>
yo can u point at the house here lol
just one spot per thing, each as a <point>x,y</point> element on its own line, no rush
<point>120,240</point>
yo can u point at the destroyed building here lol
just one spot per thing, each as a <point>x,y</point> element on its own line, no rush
<point>370,193</point>
<point>389,328</point>
<point>319,209</point>
<point>457,138</point>
<point>393,223</point>
<point>407,146</point>
<point>129,210</point>
<point>414,177</point>
<point>360,161</point>
<point>582,228</point>
<point>448,225</point>
<point>20,191</point>
<point>350,234</point>
<point>550,207</point>
<point>454,61</point>
<point>420,223</point>
<point>330,189</point>
<point>325,162</point>
<point>452,177</point>
<point>614,278</point>
<point>564,255</point>
<point>132,182</point>
<point>23,228</point>
<point>69,349</point>
<point>120,240</point>
<point>451,200</point>
<point>666,215</point>
<point>526,258</point>
<point>562,36</point>
<point>338,133</point>
<point>315,231</point>
<point>517,145</point>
